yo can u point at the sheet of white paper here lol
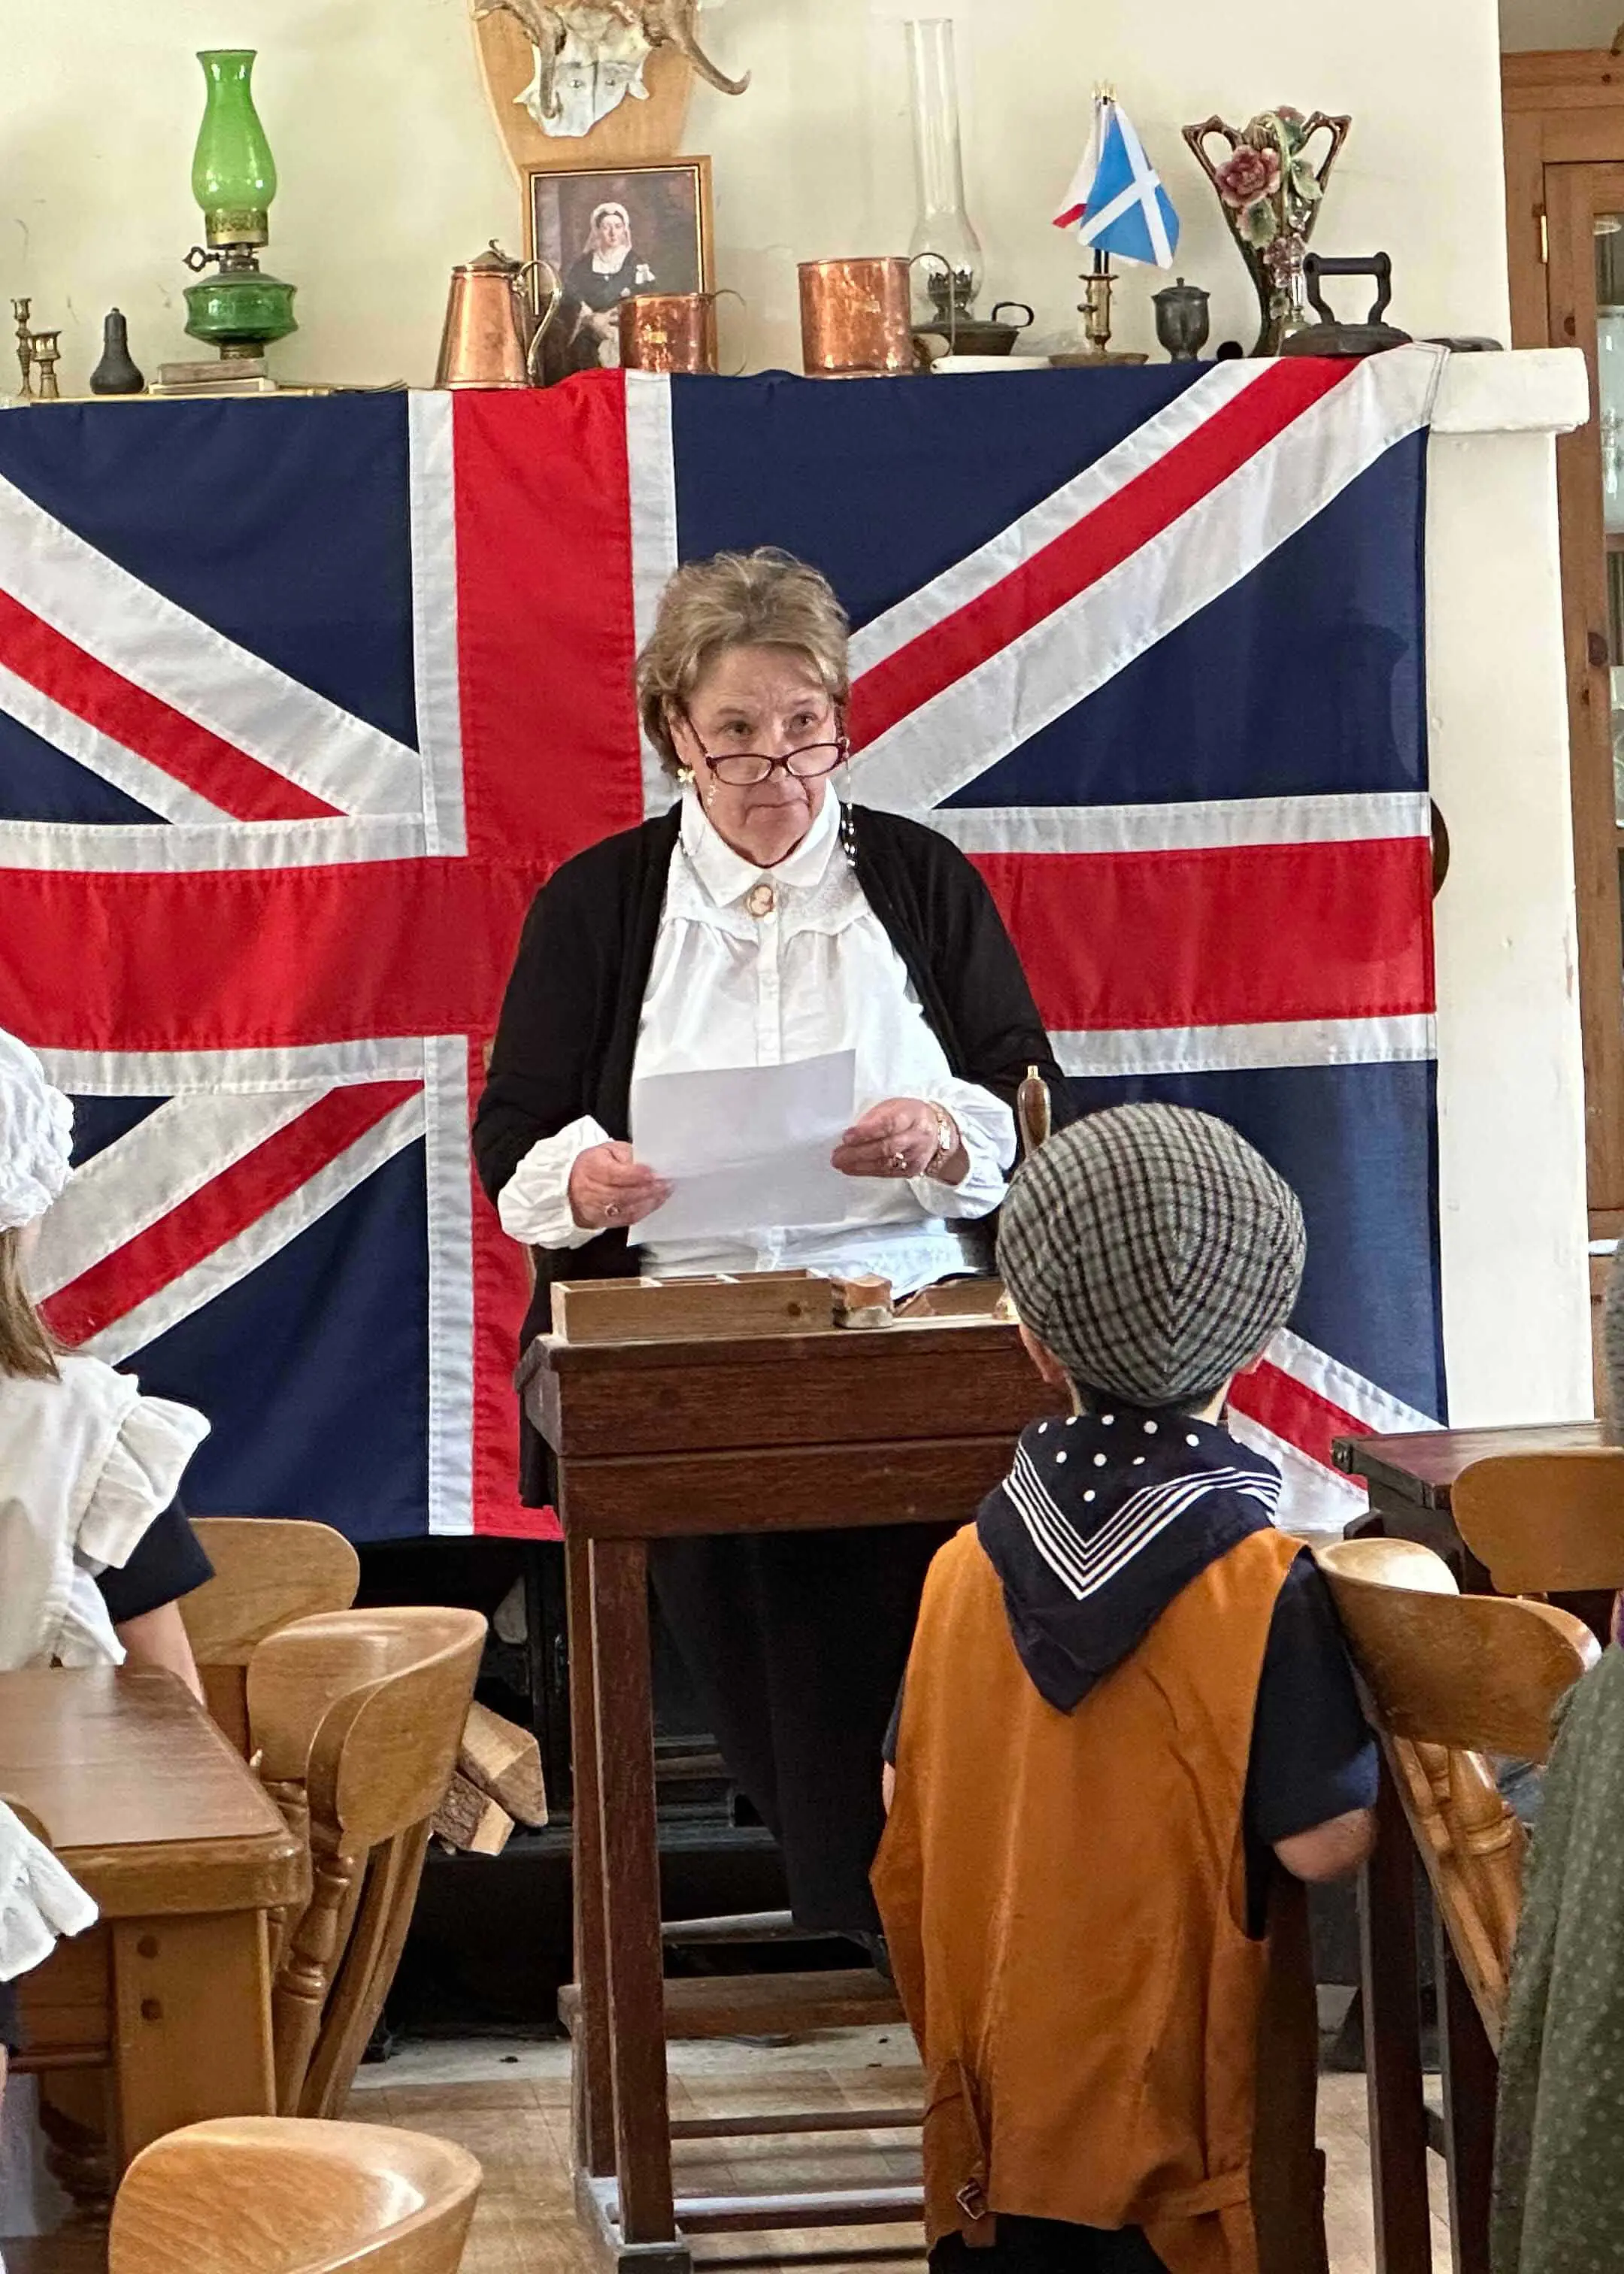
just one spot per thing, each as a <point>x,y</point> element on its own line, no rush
<point>745,1149</point>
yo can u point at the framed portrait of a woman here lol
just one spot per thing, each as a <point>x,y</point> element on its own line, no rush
<point>610,233</point>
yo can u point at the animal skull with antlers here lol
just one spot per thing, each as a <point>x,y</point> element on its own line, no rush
<point>589,54</point>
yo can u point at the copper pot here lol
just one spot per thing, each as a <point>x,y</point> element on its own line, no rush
<point>856,317</point>
<point>496,319</point>
<point>670,331</point>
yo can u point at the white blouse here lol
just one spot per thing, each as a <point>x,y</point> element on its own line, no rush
<point>816,973</point>
<point>87,1461</point>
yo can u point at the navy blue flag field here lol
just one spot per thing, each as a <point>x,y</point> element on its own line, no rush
<point>300,701</point>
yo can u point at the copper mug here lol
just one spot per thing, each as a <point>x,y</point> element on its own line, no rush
<point>857,316</point>
<point>496,320</point>
<point>671,331</point>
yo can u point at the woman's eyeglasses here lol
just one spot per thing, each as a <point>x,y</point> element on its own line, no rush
<point>746,769</point>
<point>742,768</point>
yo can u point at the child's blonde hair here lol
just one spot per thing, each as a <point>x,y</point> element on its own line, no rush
<point>27,1347</point>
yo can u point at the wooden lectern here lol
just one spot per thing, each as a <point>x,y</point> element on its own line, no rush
<point>909,1423</point>
<point>661,1427</point>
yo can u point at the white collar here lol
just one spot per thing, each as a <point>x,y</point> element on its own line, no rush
<point>728,876</point>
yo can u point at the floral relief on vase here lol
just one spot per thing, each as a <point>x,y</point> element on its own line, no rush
<point>1271,184</point>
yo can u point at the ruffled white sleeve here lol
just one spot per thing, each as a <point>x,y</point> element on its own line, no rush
<point>39,1899</point>
<point>138,1481</point>
<point>533,1203</point>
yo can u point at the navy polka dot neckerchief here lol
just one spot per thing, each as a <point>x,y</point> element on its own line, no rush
<point>1101,1521</point>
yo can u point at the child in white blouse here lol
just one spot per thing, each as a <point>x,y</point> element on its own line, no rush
<point>87,1464</point>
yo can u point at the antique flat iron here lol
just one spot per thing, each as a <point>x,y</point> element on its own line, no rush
<point>1330,338</point>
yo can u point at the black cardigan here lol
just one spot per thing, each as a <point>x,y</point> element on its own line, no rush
<point>569,1030</point>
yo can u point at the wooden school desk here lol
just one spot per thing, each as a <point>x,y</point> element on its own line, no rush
<point>1410,1478</point>
<point>165,1826</point>
<point>912,1422</point>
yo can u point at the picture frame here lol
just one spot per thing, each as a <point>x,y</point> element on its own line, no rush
<point>665,227</point>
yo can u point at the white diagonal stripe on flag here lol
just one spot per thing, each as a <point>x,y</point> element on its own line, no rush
<point>267,1236</point>
<point>1382,1413</point>
<point>1317,1502</point>
<point>1174,828</point>
<point>1061,511</point>
<point>141,1176</point>
<point>955,735</point>
<point>222,687</point>
<point>1401,1039</point>
<point>64,730</point>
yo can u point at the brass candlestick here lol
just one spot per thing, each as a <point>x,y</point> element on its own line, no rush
<point>21,310</point>
<point>45,352</point>
<point>1094,308</point>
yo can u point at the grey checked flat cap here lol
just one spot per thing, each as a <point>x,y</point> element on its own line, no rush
<point>1153,1250</point>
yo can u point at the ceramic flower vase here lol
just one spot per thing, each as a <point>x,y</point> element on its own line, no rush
<point>1270,187</point>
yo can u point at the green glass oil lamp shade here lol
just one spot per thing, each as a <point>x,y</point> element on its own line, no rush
<point>241,309</point>
<point>233,173</point>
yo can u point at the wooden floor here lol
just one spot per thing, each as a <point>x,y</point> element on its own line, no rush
<point>509,2105</point>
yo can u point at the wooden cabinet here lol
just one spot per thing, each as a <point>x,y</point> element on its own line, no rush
<point>1564,116</point>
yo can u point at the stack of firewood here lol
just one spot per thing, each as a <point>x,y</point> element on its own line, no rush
<point>497,1784</point>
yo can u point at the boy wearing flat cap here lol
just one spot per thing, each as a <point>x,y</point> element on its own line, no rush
<point>1127,1702</point>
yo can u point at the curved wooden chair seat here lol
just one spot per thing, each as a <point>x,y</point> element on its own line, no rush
<point>356,1717</point>
<point>1545,1523</point>
<point>1452,1679</point>
<point>268,1571</point>
<point>263,2195</point>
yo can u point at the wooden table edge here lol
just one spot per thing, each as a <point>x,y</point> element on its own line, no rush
<point>254,1872</point>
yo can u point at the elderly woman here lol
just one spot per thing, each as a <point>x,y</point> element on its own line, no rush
<point>607,270</point>
<point>762,921</point>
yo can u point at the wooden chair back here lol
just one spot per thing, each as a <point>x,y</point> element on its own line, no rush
<point>263,2195</point>
<point>1452,1678</point>
<point>356,1717</point>
<point>1545,1523</point>
<point>268,1571</point>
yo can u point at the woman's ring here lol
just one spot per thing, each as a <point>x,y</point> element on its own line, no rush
<point>612,1214</point>
<point>897,1162</point>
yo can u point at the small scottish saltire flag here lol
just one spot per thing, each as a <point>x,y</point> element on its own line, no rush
<point>1116,197</point>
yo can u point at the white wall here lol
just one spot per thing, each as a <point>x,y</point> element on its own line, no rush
<point>391,169</point>
<point>1559,23</point>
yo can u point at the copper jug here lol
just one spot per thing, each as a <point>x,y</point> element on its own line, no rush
<point>671,331</point>
<point>856,317</point>
<point>495,321</point>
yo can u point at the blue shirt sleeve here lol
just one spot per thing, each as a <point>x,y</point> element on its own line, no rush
<point>167,1562</point>
<point>1312,1753</point>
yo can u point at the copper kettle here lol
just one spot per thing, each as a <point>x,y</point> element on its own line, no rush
<point>496,320</point>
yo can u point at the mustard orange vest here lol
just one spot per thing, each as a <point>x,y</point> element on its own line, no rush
<point>1064,1897</point>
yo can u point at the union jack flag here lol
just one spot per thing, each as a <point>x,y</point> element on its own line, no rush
<point>300,700</point>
